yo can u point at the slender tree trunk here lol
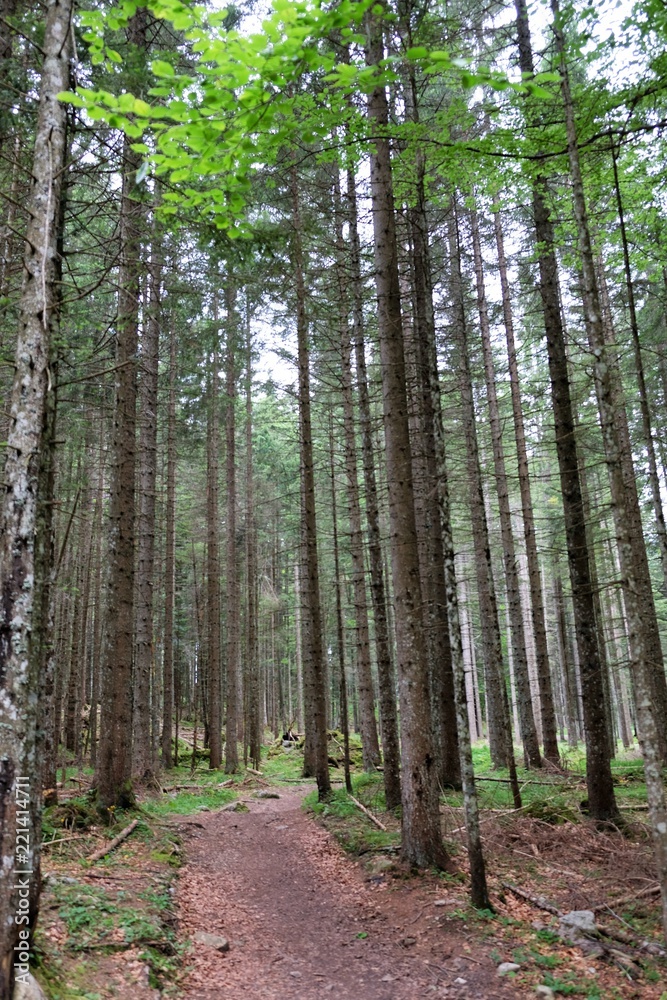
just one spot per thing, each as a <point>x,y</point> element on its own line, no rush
<point>254,736</point>
<point>527,726</point>
<point>647,430</point>
<point>549,735</point>
<point>569,681</point>
<point>148,403</point>
<point>599,621</point>
<point>636,545</point>
<point>428,470</point>
<point>114,764</point>
<point>78,648</point>
<point>601,799</point>
<point>233,593</point>
<point>169,563</point>
<point>213,569</point>
<point>369,736</point>
<point>421,836</point>
<point>314,664</point>
<point>386,677</point>
<point>340,633</point>
<point>500,730</point>
<point>25,527</point>
<point>97,621</point>
<point>643,669</point>
<point>298,643</point>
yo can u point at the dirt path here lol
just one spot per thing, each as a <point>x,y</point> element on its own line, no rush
<point>304,921</point>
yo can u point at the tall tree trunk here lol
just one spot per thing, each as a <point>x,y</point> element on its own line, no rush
<point>647,430</point>
<point>369,735</point>
<point>77,649</point>
<point>314,664</point>
<point>386,677</point>
<point>25,528</point>
<point>213,568</point>
<point>500,730</point>
<point>549,735</point>
<point>421,836</point>
<point>114,763</point>
<point>479,893</point>
<point>527,726</point>
<point>97,621</point>
<point>148,404</point>
<point>340,633</point>
<point>233,592</point>
<point>636,546</point>
<point>569,681</point>
<point>254,735</point>
<point>643,668</point>
<point>601,799</point>
<point>429,471</point>
<point>298,643</point>
<point>169,562</point>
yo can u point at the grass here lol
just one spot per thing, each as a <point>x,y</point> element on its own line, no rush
<point>85,925</point>
<point>568,789</point>
<point>353,830</point>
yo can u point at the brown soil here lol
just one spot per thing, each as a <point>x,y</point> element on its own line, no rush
<point>305,921</point>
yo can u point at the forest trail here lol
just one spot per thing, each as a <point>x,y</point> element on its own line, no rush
<point>305,921</point>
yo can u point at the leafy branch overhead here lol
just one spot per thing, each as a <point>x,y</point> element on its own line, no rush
<point>248,97</point>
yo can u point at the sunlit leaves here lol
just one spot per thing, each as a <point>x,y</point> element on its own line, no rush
<point>246,99</point>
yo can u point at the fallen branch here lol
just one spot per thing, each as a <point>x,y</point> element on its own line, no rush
<point>539,901</point>
<point>96,855</point>
<point>528,781</point>
<point>192,788</point>
<point>368,813</point>
<point>74,836</point>
<point>629,940</point>
<point>653,890</point>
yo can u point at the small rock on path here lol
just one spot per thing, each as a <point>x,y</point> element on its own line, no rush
<point>296,910</point>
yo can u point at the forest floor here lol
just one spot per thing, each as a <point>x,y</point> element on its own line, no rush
<point>313,901</point>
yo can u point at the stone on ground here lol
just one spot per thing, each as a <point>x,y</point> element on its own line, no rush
<point>211,941</point>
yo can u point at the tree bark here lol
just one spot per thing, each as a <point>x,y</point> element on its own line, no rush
<point>25,531</point>
<point>386,676</point>
<point>213,568</point>
<point>96,652</point>
<point>421,837</point>
<point>644,669</point>
<point>527,726</point>
<point>549,735</point>
<point>601,799</point>
<point>113,778</point>
<point>233,592</point>
<point>340,633</point>
<point>369,735</point>
<point>169,564</point>
<point>500,730</point>
<point>148,405</point>
<point>649,444</point>
<point>252,660</point>
<point>314,669</point>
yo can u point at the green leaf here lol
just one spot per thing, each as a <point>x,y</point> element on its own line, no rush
<point>68,97</point>
<point>161,68</point>
<point>141,108</point>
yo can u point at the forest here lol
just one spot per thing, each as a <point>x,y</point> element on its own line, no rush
<point>333,383</point>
